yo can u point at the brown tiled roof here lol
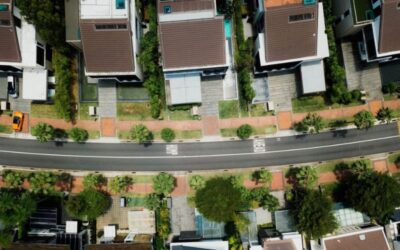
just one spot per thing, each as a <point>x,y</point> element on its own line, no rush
<point>284,40</point>
<point>186,5</point>
<point>390,27</point>
<point>34,246</point>
<point>374,240</point>
<point>134,246</point>
<point>107,50</point>
<point>194,43</point>
<point>279,245</point>
<point>9,47</point>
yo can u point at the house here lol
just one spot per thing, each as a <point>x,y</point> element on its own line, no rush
<point>23,53</point>
<point>194,47</point>
<point>291,36</point>
<point>392,230</point>
<point>369,238</point>
<point>108,33</point>
<point>201,245</point>
<point>374,24</point>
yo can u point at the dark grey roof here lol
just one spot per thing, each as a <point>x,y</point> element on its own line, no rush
<point>194,43</point>
<point>107,50</point>
<point>9,47</point>
<point>286,40</point>
<point>72,20</point>
<point>390,27</point>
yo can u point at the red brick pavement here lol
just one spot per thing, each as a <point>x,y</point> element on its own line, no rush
<point>210,125</point>
<point>253,121</point>
<point>375,106</point>
<point>181,188</point>
<point>159,125</point>
<point>380,165</point>
<point>108,127</point>
<point>285,120</point>
<point>276,184</point>
<point>58,123</point>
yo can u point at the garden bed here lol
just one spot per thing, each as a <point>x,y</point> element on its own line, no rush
<point>228,109</point>
<point>44,111</point>
<point>134,111</point>
<point>84,111</point>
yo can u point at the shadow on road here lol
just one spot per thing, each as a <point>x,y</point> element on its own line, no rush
<point>339,133</point>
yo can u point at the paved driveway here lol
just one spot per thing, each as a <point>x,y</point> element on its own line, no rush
<point>282,88</point>
<point>182,215</point>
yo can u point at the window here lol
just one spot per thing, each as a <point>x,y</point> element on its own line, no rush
<point>4,7</point>
<point>301,17</point>
<point>167,9</point>
<point>17,22</point>
<point>112,26</point>
<point>120,4</point>
<point>346,13</point>
<point>398,5</point>
<point>4,22</point>
<point>40,54</point>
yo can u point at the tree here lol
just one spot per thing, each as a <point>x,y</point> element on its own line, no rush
<point>313,121</point>
<point>43,132</point>
<point>313,214</point>
<point>262,176</point>
<point>219,200</point>
<point>94,181</point>
<point>42,182</point>
<point>241,222</point>
<point>197,182</point>
<point>264,199</point>
<point>88,205</point>
<point>16,207</point>
<point>152,201</point>
<point>119,184</point>
<point>140,133</point>
<point>385,114</point>
<point>364,120</point>
<point>305,177</point>
<point>167,134</point>
<point>163,183</point>
<point>373,193</point>
<point>79,135</point>
<point>13,179</point>
<point>244,131</point>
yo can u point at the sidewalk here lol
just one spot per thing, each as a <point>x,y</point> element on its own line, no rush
<point>283,121</point>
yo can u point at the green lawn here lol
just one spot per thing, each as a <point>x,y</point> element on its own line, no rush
<point>84,110</point>
<point>135,201</point>
<point>142,179</point>
<point>94,134</point>
<point>89,91</point>
<point>258,110</point>
<point>5,129</point>
<point>44,111</point>
<point>179,134</point>
<point>178,115</point>
<point>396,113</point>
<point>330,165</point>
<point>124,134</point>
<point>308,104</point>
<point>139,111</point>
<point>393,157</point>
<point>132,92</point>
<point>265,130</point>
<point>228,109</point>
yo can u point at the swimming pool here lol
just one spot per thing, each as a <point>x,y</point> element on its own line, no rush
<point>227,25</point>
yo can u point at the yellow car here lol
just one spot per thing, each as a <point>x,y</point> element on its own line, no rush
<point>18,120</point>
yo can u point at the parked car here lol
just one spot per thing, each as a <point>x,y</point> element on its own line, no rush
<point>12,86</point>
<point>18,120</point>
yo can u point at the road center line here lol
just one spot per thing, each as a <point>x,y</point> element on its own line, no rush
<point>198,156</point>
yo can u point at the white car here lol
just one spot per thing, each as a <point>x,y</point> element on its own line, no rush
<point>12,86</point>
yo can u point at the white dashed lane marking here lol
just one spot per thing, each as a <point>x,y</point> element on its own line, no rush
<point>172,149</point>
<point>259,145</point>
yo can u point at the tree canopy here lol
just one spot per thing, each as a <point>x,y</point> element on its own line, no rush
<point>364,120</point>
<point>16,207</point>
<point>93,181</point>
<point>89,204</point>
<point>119,184</point>
<point>163,183</point>
<point>313,214</point>
<point>219,200</point>
<point>373,193</point>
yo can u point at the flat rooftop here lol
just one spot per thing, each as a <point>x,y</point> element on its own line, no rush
<point>276,3</point>
<point>104,9</point>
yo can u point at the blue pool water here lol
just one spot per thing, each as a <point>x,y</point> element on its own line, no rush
<point>227,28</point>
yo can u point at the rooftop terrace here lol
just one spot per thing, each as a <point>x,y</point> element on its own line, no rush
<point>362,10</point>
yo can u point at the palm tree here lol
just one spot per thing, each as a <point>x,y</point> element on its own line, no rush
<point>262,176</point>
<point>197,182</point>
<point>385,114</point>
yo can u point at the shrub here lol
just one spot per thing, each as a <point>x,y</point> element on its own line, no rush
<point>13,179</point>
<point>301,127</point>
<point>262,176</point>
<point>44,132</point>
<point>390,88</point>
<point>364,120</point>
<point>88,205</point>
<point>152,201</point>
<point>264,198</point>
<point>164,228</point>
<point>197,182</point>
<point>120,183</point>
<point>167,134</point>
<point>16,207</point>
<point>62,98</point>
<point>385,114</point>
<point>93,181</point>
<point>356,95</point>
<point>140,133</point>
<point>304,177</point>
<point>79,135</point>
<point>244,131</point>
<point>163,183</point>
<point>42,182</point>
<point>6,239</point>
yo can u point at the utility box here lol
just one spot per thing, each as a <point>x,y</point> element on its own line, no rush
<point>3,105</point>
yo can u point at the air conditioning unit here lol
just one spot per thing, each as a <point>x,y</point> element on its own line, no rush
<point>3,105</point>
<point>92,111</point>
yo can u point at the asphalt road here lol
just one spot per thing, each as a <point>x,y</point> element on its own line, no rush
<point>200,155</point>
